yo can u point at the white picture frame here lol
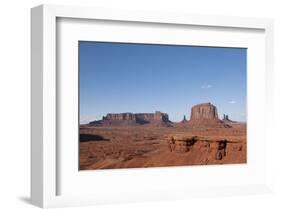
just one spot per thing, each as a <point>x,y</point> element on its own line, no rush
<point>44,148</point>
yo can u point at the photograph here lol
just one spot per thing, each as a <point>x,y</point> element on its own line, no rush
<point>161,105</point>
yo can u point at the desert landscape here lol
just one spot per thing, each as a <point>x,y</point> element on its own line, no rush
<point>140,140</point>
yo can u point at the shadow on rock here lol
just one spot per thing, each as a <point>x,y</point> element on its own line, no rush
<point>90,137</point>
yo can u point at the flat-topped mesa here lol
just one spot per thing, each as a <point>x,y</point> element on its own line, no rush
<point>158,118</point>
<point>204,111</point>
<point>127,116</point>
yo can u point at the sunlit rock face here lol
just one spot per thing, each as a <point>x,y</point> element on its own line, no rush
<point>204,111</point>
<point>205,115</point>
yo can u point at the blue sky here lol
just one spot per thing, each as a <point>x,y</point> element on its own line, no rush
<point>119,77</point>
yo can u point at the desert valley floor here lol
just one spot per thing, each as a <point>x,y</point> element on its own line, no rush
<point>109,147</point>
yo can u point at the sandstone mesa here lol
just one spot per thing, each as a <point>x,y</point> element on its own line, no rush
<point>202,115</point>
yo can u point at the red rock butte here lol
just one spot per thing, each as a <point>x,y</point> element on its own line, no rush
<point>204,111</point>
<point>202,115</point>
<point>205,115</point>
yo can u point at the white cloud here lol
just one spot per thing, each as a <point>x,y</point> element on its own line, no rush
<point>232,102</point>
<point>208,86</point>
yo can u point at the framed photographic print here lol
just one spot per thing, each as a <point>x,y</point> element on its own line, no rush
<point>130,106</point>
<point>138,134</point>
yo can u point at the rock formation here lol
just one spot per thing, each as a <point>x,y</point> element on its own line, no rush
<point>227,120</point>
<point>204,111</point>
<point>205,115</point>
<point>202,115</point>
<point>184,119</point>
<point>120,116</point>
<point>182,144</point>
<point>185,143</point>
<point>158,118</point>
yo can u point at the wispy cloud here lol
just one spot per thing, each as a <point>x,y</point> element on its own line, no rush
<point>232,102</point>
<point>208,86</point>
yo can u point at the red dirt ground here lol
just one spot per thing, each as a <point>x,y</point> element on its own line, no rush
<point>112,147</point>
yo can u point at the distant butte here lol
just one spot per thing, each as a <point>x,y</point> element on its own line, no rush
<point>202,115</point>
<point>120,119</point>
<point>205,115</point>
<point>204,111</point>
